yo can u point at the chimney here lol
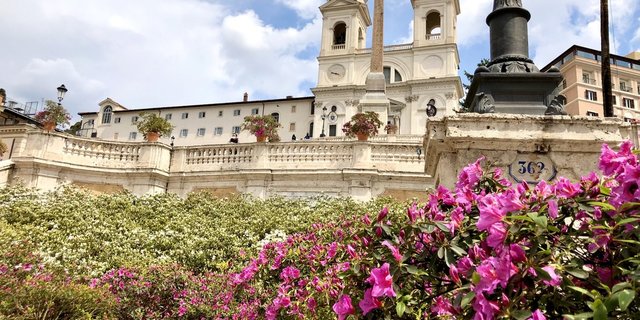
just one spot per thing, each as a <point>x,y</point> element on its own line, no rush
<point>245,97</point>
<point>289,97</point>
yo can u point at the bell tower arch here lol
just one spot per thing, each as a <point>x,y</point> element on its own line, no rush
<point>344,26</point>
<point>434,21</point>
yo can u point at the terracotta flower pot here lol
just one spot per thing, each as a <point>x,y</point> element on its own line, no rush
<point>153,136</point>
<point>392,131</point>
<point>261,138</point>
<point>362,136</point>
<point>49,126</point>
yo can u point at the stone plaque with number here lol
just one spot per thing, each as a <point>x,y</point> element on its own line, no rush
<point>532,168</point>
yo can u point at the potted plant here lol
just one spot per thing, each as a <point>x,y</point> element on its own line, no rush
<point>262,127</point>
<point>153,126</point>
<point>390,128</point>
<point>53,115</point>
<point>362,125</point>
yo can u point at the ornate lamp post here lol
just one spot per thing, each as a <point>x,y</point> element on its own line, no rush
<point>324,116</point>
<point>62,90</point>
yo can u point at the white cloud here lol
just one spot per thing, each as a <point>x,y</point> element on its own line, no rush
<point>307,9</point>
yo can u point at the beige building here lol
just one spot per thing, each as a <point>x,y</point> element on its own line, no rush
<point>582,85</point>
<point>419,73</point>
<point>202,124</point>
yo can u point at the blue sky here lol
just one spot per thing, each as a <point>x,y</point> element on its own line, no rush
<point>147,53</point>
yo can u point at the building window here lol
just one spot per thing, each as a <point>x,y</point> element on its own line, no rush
<point>217,131</point>
<point>106,114</point>
<point>236,130</point>
<point>310,129</point>
<point>89,124</point>
<point>220,113</point>
<point>313,108</point>
<point>627,119</point>
<point>276,116</point>
<point>134,119</point>
<point>433,25</point>
<point>292,126</point>
<point>116,120</point>
<point>333,129</point>
<point>254,111</point>
<point>592,114</point>
<point>133,135</point>
<point>624,86</point>
<point>293,109</point>
<point>628,103</point>
<point>201,114</point>
<point>591,95</point>
<point>236,112</point>
<point>185,115</point>
<point>339,35</point>
<point>588,78</point>
<point>184,133</point>
<point>201,132</point>
<point>167,116</point>
<point>615,100</point>
<point>391,75</point>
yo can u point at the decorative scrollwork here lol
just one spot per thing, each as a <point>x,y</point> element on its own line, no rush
<point>484,103</point>
<point>411,98</point>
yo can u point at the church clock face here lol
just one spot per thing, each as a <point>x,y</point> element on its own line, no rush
<point>336,72</point>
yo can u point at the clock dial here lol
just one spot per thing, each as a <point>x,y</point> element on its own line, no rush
<point>336,72</point>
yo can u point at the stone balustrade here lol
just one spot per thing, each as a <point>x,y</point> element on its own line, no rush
<point>339,166</point>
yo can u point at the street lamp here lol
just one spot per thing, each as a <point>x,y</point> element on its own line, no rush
<point>324,116</point>
<point>61,92</point>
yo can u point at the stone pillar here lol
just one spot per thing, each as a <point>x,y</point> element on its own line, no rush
<point>375,98</point>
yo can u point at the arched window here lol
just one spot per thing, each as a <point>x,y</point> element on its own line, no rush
<point>339,35</point>
<point>106,114</point>
<point>433,25</point>
<point>388,72</point>
<point>310,133</point>
<point>360,38</point>
<point>276,116</point>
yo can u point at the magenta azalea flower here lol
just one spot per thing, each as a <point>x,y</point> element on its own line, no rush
<point>497,234</point>
<point>490,212</point>
<point>343,307</point>
<point>612,162</point>
<point>394,250</point>
<point>553,209</point>
<point>382,282</point>
<point>555,279</point>
<point>369,303</point>
<point>470,175</point>
<point>537,315</point>
<point>442,307</point>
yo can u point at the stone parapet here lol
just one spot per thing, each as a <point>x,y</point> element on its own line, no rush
<point>560,145</point>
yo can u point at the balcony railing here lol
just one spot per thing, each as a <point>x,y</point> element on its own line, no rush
<point>396,47</point>
<point>435,36</point>
<point>589,81</point>
<point>625,89</point>
<point>339,46</point>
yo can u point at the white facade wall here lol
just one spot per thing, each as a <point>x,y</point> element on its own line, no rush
<point>294,116</point>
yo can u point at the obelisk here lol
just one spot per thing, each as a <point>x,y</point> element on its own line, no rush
<point>375,98</point>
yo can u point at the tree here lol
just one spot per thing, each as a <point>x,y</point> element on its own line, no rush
<point>483,63</point>
<point>73,130</point>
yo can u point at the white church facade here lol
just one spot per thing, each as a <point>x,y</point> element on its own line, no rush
<point>419,73</point>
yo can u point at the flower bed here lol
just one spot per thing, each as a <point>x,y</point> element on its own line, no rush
<point>485,250</point>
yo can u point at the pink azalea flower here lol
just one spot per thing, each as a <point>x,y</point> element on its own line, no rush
<point>442,307</point>
<point>485,309</point>
<point>537,315</point>
<point>565,189</point>
<point>470,175</point>
<point>497,234</point>
<point>611,162</point>
<point>383,214</point>
<point>369,303</point>
<point>382,282</point>
<point>553,209</point>
<point>542,190</point>
<point>394,250</point>
<point>490,212</point>
<point>413,213</point>
<point>343,307</point>
<point>555,279</point>
<point>289,273</point>
<point>516,253</point>
<point>510,201</point>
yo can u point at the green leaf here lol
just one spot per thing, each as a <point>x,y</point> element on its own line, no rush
<point>521,314</point>
<point>441,252</point>
<point>578,273</point>
<point>605,206</point>
<point>414,270</point>
<point>625,297</point>
<point>630,206</point>
<point>442,227</point>
<point>541,221</point>
<point>583,291</point>
<point>467,299</point>
<point>386,229</point>
<point>599,310</point>
<point>401,308</point>
<point>627,221</point>
<point>620,286</point>
<point>581,316</point>
<point>448,257</point>
<point>428,228</point>
<point>542,274</point>
<point>458,250</point>
<point>475,278</point>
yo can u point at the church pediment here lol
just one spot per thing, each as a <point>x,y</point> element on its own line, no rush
<point>360,5</point>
